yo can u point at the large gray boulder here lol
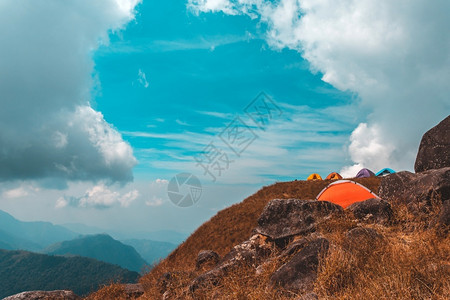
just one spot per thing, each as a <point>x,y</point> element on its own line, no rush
<point>45,295</point>
<point>284,218</point>
<point>412,188</point>
<point>434,149</point>
<point>372,210</point>
<point>300,273</point>
<point>393,186</point>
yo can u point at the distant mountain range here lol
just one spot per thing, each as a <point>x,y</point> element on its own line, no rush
<point>151,251</point>
<point>101,247</point>
<point>72,260</point>
<point>24,271</point>
<point>169,236</point>
<point>33,236</point>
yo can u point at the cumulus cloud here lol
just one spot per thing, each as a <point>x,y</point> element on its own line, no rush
<point>99,196</point>
<point>47,126</point>
<point>394,54</point>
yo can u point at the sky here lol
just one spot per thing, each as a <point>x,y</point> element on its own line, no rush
<point>104,102</point>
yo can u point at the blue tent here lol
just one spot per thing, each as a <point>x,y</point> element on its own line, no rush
<point>384,172</point>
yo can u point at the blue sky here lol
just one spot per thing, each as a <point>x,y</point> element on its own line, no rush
<point>195,65</point>
<point>104,102</point>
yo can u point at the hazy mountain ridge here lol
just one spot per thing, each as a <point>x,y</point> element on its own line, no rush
<point>151,251</point>
<point>31,236</point>
<point>101,247</point>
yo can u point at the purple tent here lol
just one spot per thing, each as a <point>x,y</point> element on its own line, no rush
<point>364,173</point>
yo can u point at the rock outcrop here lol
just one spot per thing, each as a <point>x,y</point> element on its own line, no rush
<point>282,218</point>
<point>300,273</point>
<point>133,290</point>
<point>45,295</point>
<point>434,149</point>
<point>251,252</point>
<point>206,257</point>
<point>372,210</point>
<point>419,188</point>
<point>393,186</point>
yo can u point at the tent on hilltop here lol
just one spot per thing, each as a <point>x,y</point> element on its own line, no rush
<point>385,172</point>
<point>364,173</point>
<point>314,176</point>
<point>334,176</point>
<point>345,193</point>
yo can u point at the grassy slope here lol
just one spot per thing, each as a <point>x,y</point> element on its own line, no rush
<point>410,262</point>
<point>234,224</point>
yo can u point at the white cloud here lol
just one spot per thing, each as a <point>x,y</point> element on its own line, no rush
<point>13,190</point>
<point>154,202</point>
<point>158,192</point>
<point>213,5</point>
<point>142,79</point>
<point>368,148</point>
<point>182,123</point>
<point>61,202</point>
<point>394,54</point>
<point>15,193</point>
<point>47,126</point>
<point>99,196</point>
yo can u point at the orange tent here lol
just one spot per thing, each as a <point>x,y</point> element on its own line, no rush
<point>334,176</point>
<point>314,176</point>
<point>345,193</point>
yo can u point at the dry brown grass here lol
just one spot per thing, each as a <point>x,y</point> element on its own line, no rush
<point>410,261</point>
<point>234,224</point>
<point>112,291</point>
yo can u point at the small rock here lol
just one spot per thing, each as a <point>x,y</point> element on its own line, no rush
<point>47,295</point>
<point>164,281</point>
<point>372,210</point>
<point>207,257</point>
<point>283,219</point>
<point>133,290</point>
<point>300,273</point>
<point>434,149</point>
<point>356,235</point>
<point>298,244</point>
<point>209,278</point>
<point>295,246</point>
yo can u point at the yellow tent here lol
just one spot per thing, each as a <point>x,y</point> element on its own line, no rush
<point>334,176</point>
<point>314,176</point>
